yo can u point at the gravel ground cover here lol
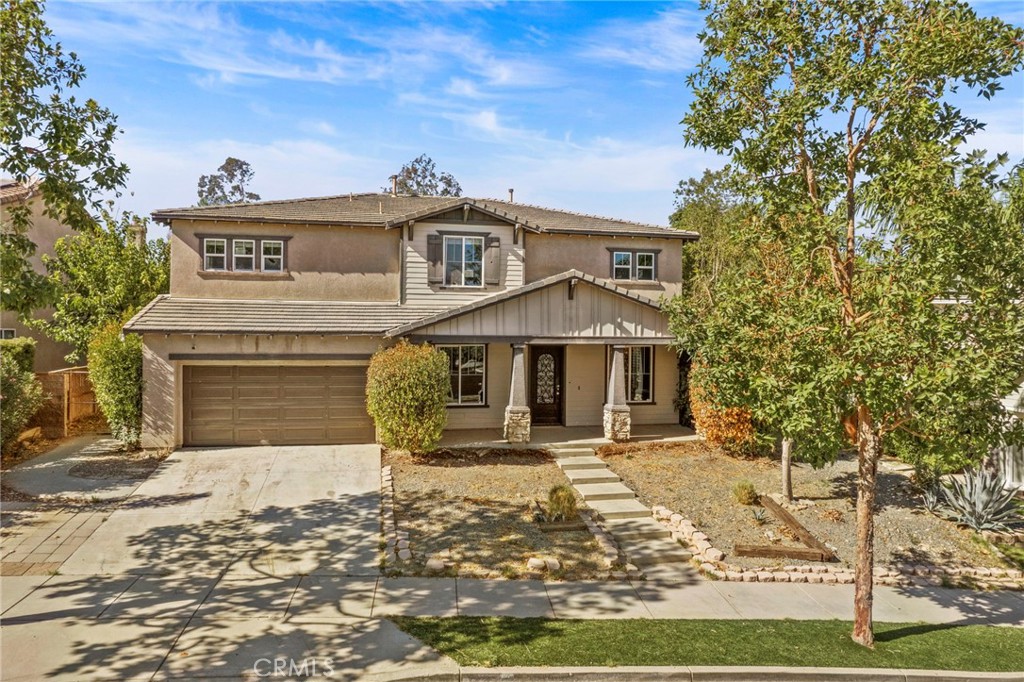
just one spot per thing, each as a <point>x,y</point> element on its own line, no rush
<point>697,481</point>
<point>476,507</point>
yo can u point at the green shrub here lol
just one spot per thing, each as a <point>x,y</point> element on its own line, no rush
<point>21,395</point>
<point>407,391</point>
<point>561,503</point>
<point>22,350</point>
<point>745,493</point>
<point>115,370</point>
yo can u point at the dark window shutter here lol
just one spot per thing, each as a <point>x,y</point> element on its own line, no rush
<point>492,268</point>
<point>435,260</point>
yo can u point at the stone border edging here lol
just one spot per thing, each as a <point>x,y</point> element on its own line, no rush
<point>725,674</point>
<point>396,542</point>
<point>712,563</point>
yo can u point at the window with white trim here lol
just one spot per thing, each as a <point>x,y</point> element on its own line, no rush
<point>273,255</point>
<point>639,371</point>
<point>463,261</point>
<point>467,370</point>
<point>244,254</point>
<point>8,334</point>
<point>635,265</point>
<point>215,254</point>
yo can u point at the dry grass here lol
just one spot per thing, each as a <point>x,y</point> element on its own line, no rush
<point>476,508</point>
<point>697,481</point>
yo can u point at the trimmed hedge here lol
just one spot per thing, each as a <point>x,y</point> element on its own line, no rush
<point>21,395</point>
<point>407,391</point>
<point>115,370</point>
<point>22,350</point>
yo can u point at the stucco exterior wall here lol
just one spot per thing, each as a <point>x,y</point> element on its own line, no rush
<point>44,232</point>
<point>550,254</point>
<point>323,263</point>
<point>162,376</point>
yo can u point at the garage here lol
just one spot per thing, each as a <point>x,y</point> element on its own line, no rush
<point>275,405</point>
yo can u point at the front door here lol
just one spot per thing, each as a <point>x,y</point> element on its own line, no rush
<point>546,379</point>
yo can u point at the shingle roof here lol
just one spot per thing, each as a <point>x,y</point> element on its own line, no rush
<point>12,191</point>
<point>385,210</point>
<point>167,315</point>
<point>449,313</point>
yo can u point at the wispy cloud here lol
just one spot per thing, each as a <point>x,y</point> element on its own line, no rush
<point>666,43</point>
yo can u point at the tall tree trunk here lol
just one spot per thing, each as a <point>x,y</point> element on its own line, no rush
<point>787,481</point>
<point>868,449</point>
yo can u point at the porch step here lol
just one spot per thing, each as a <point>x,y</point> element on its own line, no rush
<point>636,529</point>
<point>606,491</point>
<point>648,552</point>
<point>580,463</point>
<point>586,476</point>
<point>619,509</point>
<point>569,451</point>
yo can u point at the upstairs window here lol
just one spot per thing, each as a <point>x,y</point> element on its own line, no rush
<point>639,266</point>
<point>463,261</point>
<point>215,254</point>
<point>245,254</point>
<point>273,255</point>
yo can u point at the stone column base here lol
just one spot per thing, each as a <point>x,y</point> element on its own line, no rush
<point>517,424</point>
<point>617,422</point>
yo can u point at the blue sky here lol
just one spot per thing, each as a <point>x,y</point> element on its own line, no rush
<point>576,105</point>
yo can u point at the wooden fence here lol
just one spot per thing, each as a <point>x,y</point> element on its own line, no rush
<point>71,397</point>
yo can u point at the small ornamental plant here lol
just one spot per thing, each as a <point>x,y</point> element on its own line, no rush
<point>407,389</point>
<point>561,503</point>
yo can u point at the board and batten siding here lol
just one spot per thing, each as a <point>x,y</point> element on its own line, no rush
<point>591,313</point>
<point>418,289</point>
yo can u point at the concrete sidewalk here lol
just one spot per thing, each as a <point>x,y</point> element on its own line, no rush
<point>49,476</point>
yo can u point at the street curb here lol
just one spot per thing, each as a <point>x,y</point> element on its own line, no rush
<point>726,674</point>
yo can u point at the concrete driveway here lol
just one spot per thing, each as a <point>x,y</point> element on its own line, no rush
<point>245,512</point>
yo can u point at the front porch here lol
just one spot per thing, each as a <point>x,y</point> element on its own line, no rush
<point>542,437</point>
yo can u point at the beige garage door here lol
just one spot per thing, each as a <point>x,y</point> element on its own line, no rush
<point>254,404</point>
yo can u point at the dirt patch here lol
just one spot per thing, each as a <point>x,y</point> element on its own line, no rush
<point>476,506</point>
<point>697,481</point>
<point>120,465</point>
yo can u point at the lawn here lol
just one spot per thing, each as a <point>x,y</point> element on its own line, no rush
<point>543,642</point>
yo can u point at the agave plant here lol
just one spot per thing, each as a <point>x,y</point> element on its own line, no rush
<point>933,498</point>
<point>981,501</point>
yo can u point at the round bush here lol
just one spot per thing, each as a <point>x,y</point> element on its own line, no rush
<point>407,391</point>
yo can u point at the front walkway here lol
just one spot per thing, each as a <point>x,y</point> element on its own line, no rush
<point>544,436</point>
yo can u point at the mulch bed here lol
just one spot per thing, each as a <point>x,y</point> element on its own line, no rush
<point>476,507</point>
<point>697,481</point>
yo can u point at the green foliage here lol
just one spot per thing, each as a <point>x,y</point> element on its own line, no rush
<point>981,501</point>
<point>22,352</point>
<point>420,177</point>
<point>115,370</point>
<point>561,503</point>
<point>407,390</point>
<point>21,395</point>
<point>103,277</point>
<point>745,493</point>
<point>760,515</point>
<point>228,184</point>
<point>46,132</point>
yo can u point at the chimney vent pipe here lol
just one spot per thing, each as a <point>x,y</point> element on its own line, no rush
<point>394,185</point>
<point>511,192</point>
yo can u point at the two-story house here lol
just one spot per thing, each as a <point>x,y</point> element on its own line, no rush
<point>547,317</point>
<point>44,231</point>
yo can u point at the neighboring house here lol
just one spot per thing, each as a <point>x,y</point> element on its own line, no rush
<point>1011,458</point>
<point>44,233</point>
<point>548,317</point>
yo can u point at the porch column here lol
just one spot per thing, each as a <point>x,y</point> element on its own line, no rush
<point>517,413</point>
<point>616,411</point>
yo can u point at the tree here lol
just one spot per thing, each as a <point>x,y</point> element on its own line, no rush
<point>102,278</point>
<point>228,185</point>
<point>419,177</point>
<point>47,134</point>
<point>872,217</point>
